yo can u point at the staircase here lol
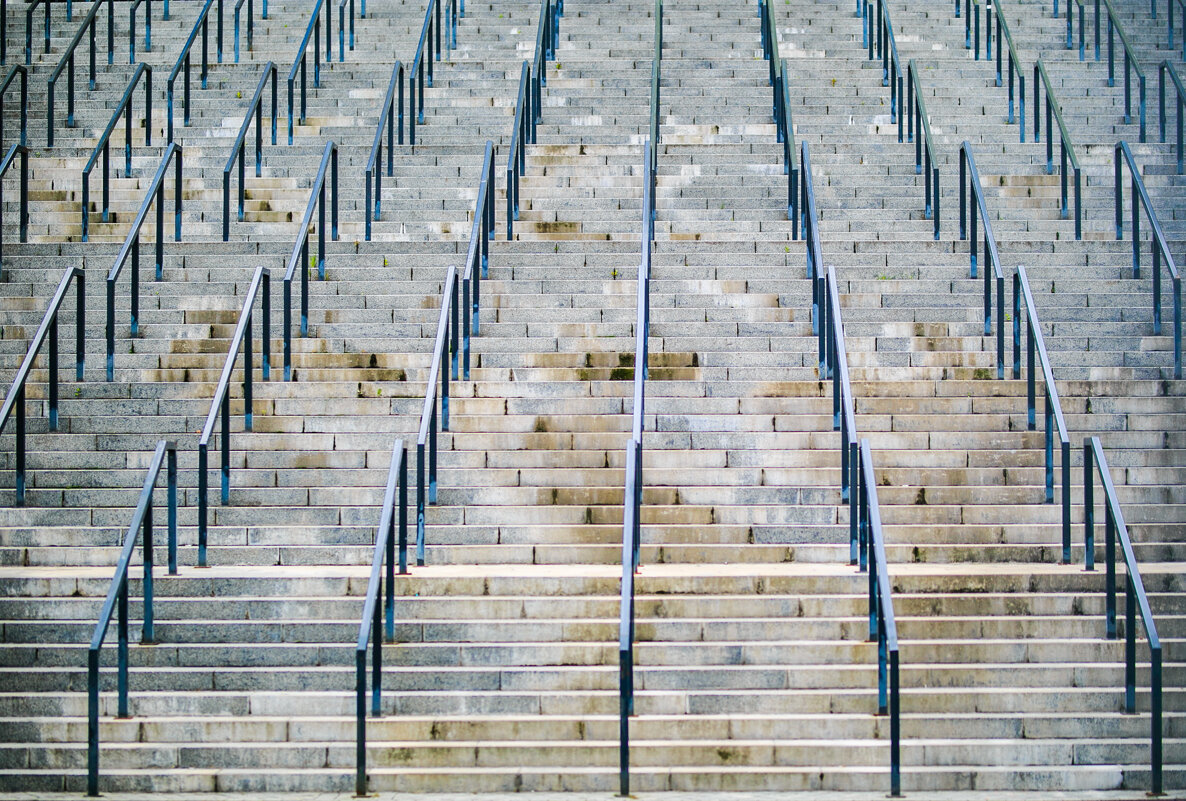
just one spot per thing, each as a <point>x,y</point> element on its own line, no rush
<point>753,670</point>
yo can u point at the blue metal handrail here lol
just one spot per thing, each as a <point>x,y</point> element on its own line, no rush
<point>656,70</point>
<point>994,11</point>
<point>220,404</point>
<point>1158,245</point>
<point>970,178</point>
<point>918,129</point>
<point>784,129</point>
<point>883,629</point>
<point>812,238</point>
<point>250,23</point>
<point>132,28</point>
<point>522,134</point>
<point>1179,95</point>
<point>342,29</point>
<point>117,597</point>
<point>885,46</point>
<point>17,149</point>
<point>445,344</point>
<point>29,25</point>
<point>15,399</point>
<point>254,110</point>
<point>1182,7</point>
<point>460,307</point>
<point>20,70</point>
<point>103,148</point>
<point>156,190</point>
<point>299,62</point>
<point>66,62</point>
<point>391,110</point>
<point>547,39</point>
<point>632,496</point>
<point>858,485</point>
<point>202,24</point>
<point>1134,596</point>
<point>428,45</point>
<point>1070,162</point>
<point>299,257</point>
<point>378,619</point>
<point>1131,64</point>
<point>1054,421</point>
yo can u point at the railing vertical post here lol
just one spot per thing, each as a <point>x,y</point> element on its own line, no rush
<point>1065,456</point>
<point>1088,507</point>
<point>146,630</point>
<point>1110,573</point>
<point>122,651</point>
<point>1155,718</point>
<point>1130,646</point>
<point>360,747</point>
<point>403,542</point>
<point>420,502</point>
<point>20,446</point>
<point>92,719</point>
<point>171,478</point>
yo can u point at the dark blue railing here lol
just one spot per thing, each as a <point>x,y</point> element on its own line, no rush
<point>378,617</point>
<point>1158,245</point>
<point>1071,6</point>
<point>299,257</point>
<point>342,29</point>
<point>1131,64</point>
<point>1054,422</point>
<point>1134,597</point>
<point>15,399</point>
<point>1179,96</point>
<point>117,598</point>
<point>103,148</point>
<point>255,109</point>
<point>428,50</point>
<point>220,404</point>
<point>460,307</point>
<point>66,62</point>
<point>312,30</point>
<point>1069,161</point>
<point>879,39</point>
<point>970,181</point>
<point>45,4</point>
<point>1005,42</point>
<point>200,24</point>
<point>918,130</point>
<point>522,134</point>
<point>391,111</point>
<point>250,23</point>
<point>632,496</point>
<point>131,246</point>
<point>15,151</point>
<point>783,126</point>
<point>132,28</point>
<point>858,485</point>
<point>18,70</point>
<point>547,39</point>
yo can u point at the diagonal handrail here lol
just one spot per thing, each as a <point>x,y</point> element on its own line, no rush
<point>250,34</point>
<point>220,403</point>
<point>522,134</point>
<point>970,179</point>
<point>378,617</point>
<point>183,61</point>
<point>299,256</point>
<point>1132,63</point>
<point>19,70</point>
<point>254,110</point>
<point>131,246</point>
<point>858,487</point>
<point>995,12</point>
<point>885,47</point>
<point>926,160</point>
<point>15,399</point>
<point>1158,245</point>
<point>1134,595</point>
<point>117,597</point>
<point>1179,95</point>
<point>66,62</point>
<point>391,110</point>
<point>460,307</point>
<point>547,39</point>
<point>1069,161</point>
<point>784,128</point>
<point>1054,422</point>
<point>428,50</point>
<point>103,148</point>
<point>300,61</point>
<point>17,149</point>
